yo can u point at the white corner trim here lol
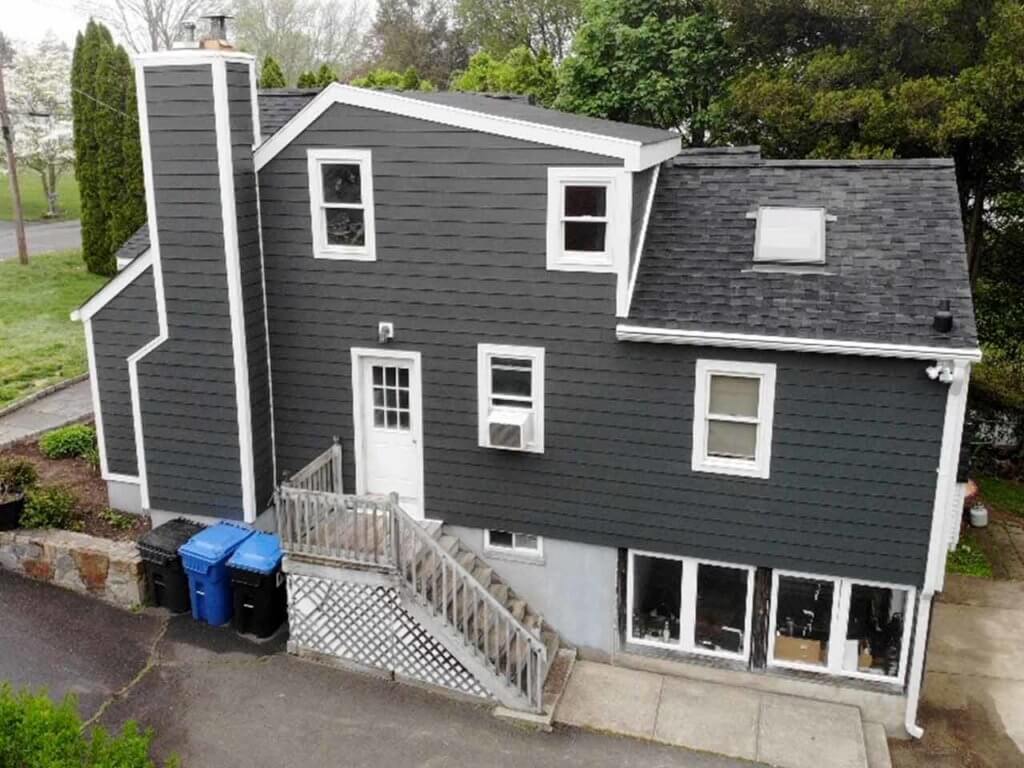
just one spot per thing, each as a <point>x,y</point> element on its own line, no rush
<point>257,132</point>
<point>635,155</point>
<point>266,327</point>
<point>315,158</point>
<point>641,240</point>
<point>764,373</point>
<point>222,120</point>
<point>114,286</point>
<point>484,353</point>
<point>626,332</point>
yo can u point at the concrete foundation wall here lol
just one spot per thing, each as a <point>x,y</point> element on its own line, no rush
<point>124,496</point>
<point>573,587</point>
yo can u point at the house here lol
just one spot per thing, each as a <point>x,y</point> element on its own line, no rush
<point>509,381</point>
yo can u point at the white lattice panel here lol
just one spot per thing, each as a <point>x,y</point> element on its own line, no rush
<point>365,624</point>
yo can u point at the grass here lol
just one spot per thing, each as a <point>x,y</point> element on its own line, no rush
<point>33,201</point>
<point>969,560</point>
<point>39,343</point>
<point>1003,495</point>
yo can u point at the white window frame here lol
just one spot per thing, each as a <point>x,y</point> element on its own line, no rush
<point>818,258</point>
<point>841,592</point>
<point>485,352</point>
<point>615,257</point>
<point>514,551</point>
<point>688,606</point>
<point>760,467</point>
<point>316,158</point>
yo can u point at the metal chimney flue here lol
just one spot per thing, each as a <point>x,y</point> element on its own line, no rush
<point>943,322</point>
<point>216,35</point>
<point>186,35</point>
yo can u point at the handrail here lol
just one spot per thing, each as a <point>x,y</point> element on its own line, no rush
<point>321,474</point>
<point>331,526</point>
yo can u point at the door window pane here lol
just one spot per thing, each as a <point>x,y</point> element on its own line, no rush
<point>874,632</point>
<point>732,439</point>
<point>734,396</point>
<point>345,226</point>
<point>803,620</point>
<point>721,618</point>
<point>341,183</point>
<point>657,597</point>
<point>585,201</point>
<point>584,235</point>
<point>391,398</point>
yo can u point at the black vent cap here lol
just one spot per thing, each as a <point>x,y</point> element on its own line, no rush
<point>943,322</point>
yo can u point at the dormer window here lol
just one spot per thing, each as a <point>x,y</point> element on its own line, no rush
<point>790,235</point>
<point>588,219</point>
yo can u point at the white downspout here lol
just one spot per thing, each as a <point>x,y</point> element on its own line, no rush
<point>949,455</point>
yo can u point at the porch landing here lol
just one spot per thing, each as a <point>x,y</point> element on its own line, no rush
<point>784,731</point>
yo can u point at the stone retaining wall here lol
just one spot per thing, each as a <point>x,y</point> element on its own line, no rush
<point>109,570</point>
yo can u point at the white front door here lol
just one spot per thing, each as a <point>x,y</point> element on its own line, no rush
<point>388,408</point>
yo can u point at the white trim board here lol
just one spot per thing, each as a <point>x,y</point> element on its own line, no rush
<point>626,332</point>
<point>187,56</point>
<point>114,286</point>
<point>635,155</point>
<point>97,409</point>
<point>640,242</point>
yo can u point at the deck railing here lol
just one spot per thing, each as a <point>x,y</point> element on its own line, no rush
<point>313,520</point>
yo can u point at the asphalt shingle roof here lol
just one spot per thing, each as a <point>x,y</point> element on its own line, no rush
<point>135,245</point>
<point>895,250</point>
<point>279,105</point>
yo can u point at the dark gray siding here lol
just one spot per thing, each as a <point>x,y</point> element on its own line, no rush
<point>461,253</point>
<point>187,384</point>
<point>127,323</point>
<point>240,103</point>
<point>641,189</point>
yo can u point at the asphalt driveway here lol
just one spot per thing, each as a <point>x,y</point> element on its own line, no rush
<point>42,237</point>
<point>221,701</point>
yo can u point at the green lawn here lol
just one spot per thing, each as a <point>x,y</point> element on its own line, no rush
<point>968,559</point>
<point>33,201</point>
<point>1004,495</point>
<point>39,344</point>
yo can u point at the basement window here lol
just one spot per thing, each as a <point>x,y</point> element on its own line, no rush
<point>509,542</point>
<point>341,204</point>
<point>790,235</point>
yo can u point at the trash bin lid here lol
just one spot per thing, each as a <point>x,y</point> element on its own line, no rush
<point>261,553</point>
<point>166,539</point>
<point>215,543</point>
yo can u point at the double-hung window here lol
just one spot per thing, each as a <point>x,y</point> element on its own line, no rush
<point>341,203</point>
<point>732,420</point>
<point>510,392</point>
<point>588,219</point>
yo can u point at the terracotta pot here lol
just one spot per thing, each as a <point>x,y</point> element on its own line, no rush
<point>10,512</point>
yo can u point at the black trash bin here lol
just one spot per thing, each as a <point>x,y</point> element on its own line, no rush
<point>258,586</point>
<point>166,581</point>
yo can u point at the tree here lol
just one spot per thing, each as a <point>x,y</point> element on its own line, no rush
<point>417,34</point>
<point>325,76</point>
<point>520,71</point>
<point>271,75</point>
<point>149,25</point>
<point>388,79</point>
<point>307,79</point>
<point>302,34</point>
<point>878,79</point>
<point>40,99</point>
<point>663,63</point>
<point>499,26</point>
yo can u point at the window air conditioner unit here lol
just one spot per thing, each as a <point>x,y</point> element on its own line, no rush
<point>510,428</point>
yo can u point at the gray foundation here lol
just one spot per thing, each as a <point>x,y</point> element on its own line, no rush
<point>124,496</point>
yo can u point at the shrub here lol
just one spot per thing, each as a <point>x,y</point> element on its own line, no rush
<point>16,475</point>
<point>118,520</point>
<point>48,507</point>
<point>67,442</point>
<point>37,732</point>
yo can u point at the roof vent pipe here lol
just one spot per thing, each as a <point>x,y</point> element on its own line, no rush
<point>186,35</point>
<point>943,322</point>
<point>216,36</point>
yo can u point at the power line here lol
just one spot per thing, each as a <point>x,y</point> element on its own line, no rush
<point>103,103</point>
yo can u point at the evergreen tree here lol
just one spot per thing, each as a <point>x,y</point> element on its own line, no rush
<point>307,80</point>
<point>518,72</point>
<point>325,76</point>
<point>271,75</point>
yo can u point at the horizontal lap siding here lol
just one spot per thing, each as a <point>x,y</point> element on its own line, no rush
<point>855,443</point>
<point>187,384</point>
<point>126,324</point>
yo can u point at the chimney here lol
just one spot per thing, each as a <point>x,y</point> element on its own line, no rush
<point>216,36</point>
<point>204,388</point>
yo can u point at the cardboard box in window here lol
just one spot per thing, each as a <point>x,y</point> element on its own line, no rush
<point>799,649</point>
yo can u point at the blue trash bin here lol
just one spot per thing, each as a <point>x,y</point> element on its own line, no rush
<point>205,559</point>
<point>257,585</point>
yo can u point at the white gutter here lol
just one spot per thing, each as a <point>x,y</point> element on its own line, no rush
<point>625,332</point>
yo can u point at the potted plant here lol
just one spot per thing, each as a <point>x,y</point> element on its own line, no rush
<point>15,476</point>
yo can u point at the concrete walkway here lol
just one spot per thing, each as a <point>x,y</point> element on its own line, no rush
<point>42,237</point>
<point>737,722</point>
<point>67,405</point>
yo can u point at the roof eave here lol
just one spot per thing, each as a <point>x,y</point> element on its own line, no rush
<point>118,283</point>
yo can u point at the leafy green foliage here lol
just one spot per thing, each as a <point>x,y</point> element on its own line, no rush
<point>663,63</point>
<point>325,76</point>
<point>271,75</point>
<point>520,71</point>
<point>499,26</point>
<point>387,79</point>
<point>969,560</point>
<point>307,79</point>
<point>48,506</point>
<point>35,732</point>
<point>416,34</point>
<point>75,440</point>
<point>118,520</point>
<point>1004,495</point>
<point>16,474</point>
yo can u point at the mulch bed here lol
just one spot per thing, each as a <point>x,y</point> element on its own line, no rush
<point>87,485</point>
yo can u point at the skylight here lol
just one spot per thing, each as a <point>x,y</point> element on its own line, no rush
<point>790,235</point>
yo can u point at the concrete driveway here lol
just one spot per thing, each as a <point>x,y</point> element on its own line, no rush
<point>221,701</point>
<point>42,237</point>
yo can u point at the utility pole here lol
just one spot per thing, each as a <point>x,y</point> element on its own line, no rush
<point>12,171</point>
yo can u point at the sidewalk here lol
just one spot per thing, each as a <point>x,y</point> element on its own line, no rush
<point>70,404</point>
<point>736,722</point>
<point>42,237</point>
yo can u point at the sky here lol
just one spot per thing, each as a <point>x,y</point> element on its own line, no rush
<point>27,21</point>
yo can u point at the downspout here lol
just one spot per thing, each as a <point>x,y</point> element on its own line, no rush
<point>957,374</point>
